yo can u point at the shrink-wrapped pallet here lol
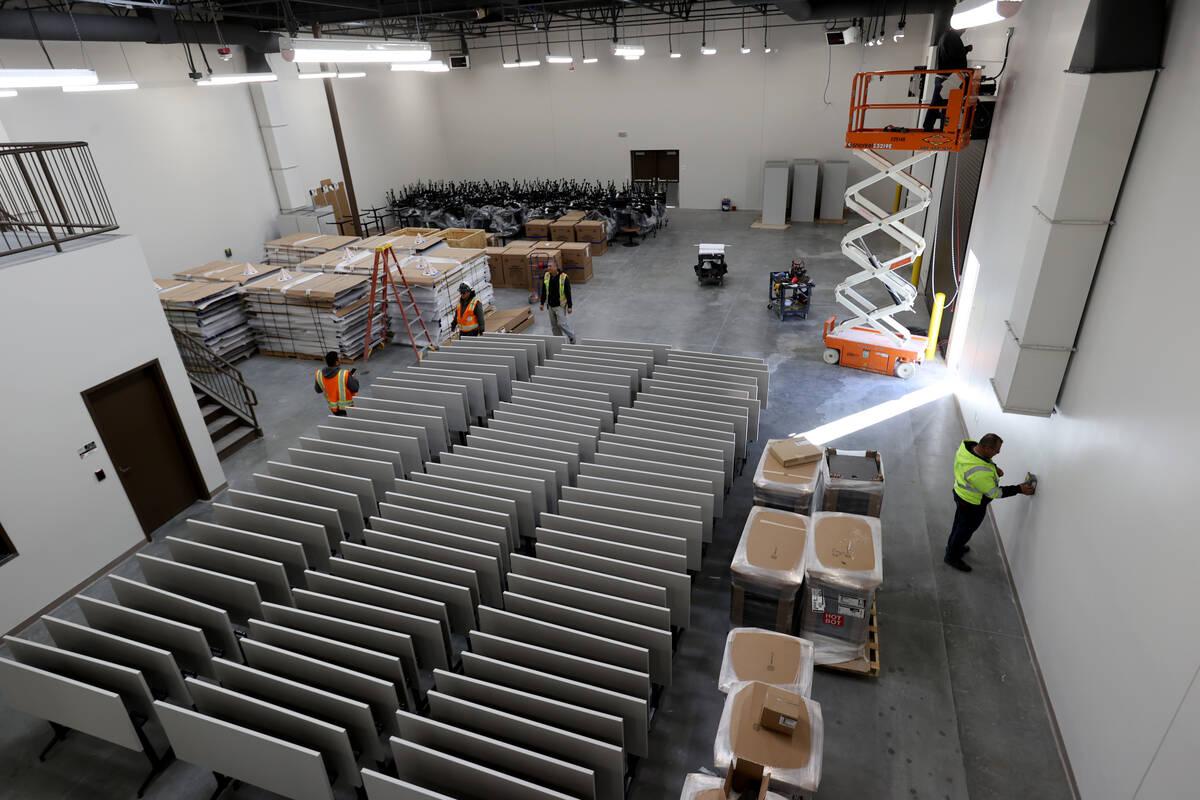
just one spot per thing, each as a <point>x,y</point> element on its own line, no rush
<point>777,659</point>
<point>853,482</point>
<point>797,488</point>
<point>844,567</point>
<point>791,761</point>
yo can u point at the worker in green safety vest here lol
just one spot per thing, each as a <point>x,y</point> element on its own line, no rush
<point>554,290</point>
<point>976,483</point>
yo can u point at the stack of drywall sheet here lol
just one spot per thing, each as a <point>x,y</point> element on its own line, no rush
<point>352,260</point>
<point>434,280</point>
<point>312,313</point>
<point>212,311</point>
<point>297,247</point>
<point>229,271</point>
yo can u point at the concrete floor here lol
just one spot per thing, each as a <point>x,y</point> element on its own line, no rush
<point>956,712</point>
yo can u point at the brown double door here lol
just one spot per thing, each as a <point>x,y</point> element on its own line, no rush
<point>659,168</point>
<point>146,443</point>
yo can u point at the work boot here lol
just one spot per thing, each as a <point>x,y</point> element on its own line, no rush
<point>958,564</point>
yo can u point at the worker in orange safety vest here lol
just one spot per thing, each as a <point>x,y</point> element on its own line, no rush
<point>339,385</point>
<point>468,314</point>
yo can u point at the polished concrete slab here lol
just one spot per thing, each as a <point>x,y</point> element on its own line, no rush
<point>956,712</point>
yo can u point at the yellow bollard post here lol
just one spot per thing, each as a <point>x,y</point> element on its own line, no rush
<point>915,280</point>
<point>935,324</point>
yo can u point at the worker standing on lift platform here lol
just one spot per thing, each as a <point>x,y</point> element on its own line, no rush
<point>951,54</point>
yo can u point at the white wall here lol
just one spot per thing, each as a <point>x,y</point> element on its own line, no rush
<point>726,114</point>
<point>73,321</point>
<point>184,165</point>
<point>1104,557</point>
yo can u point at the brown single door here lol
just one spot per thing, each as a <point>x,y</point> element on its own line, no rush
<point>144,437</point>
<point>644,164</point>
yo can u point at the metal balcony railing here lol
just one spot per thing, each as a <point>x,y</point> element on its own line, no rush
<point>50,193</point>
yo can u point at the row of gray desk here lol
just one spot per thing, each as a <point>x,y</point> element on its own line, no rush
<point>545,501</point>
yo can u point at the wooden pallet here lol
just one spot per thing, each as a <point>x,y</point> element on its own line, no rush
<point>869,666</point>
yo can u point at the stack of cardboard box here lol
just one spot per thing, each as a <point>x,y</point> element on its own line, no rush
<point>594,231</point>
<point>538,228</point>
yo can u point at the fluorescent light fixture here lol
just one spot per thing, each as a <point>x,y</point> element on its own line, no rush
<point>626,49</point>
<point>590,60</point>
<point>7,93</point>
<point>676,55</point>
<point>352,75</point>
<point>43,78</point>
<point>559,59</point>
<point>529,62</point>
<point>744,50</point>
<point>424,66</point>
<point>632,58</point>
<point>766,51</point>
<point>973,13</point>
<point>312,76</point>
<point>510,64</point>
<point>315,51</point>
<point>705,50</point>
<point>117,86</point>
<point>238,77</point>
<point>897,36</point>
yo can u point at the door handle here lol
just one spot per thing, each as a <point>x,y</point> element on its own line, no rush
<point>124,470</point>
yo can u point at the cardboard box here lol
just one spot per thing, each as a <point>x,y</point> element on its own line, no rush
<point>549,244</point>
<point>782,711</point>
<point>591,230</point>
<point>793,452</point>
<point>543,257</point>
<point>465,237</point>
<point>516,255</point>
<point>599,248</point>
<point>572,216</point>
<point>750,741</point>
<point>562,231</point>
<point>576,255</point>
<point>516,277</point>
<point>496,265</point>
<point>509,320</point>
<point>538,228</point>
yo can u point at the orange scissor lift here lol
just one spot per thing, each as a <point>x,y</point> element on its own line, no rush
<point>871,339</point>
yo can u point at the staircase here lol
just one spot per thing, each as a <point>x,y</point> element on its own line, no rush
<point>228,431</point>
<point>226,401</point>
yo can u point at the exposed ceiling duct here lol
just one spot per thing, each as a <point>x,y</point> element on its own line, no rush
<point>158,27</point>
<point>807,10</point>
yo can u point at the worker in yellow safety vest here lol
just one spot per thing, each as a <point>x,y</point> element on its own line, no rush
<point>976,483</point>
<point>555,291</point>
<point>339,385</point>
<point>468,314</point>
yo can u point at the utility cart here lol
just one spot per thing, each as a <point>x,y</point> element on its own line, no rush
<point>788,293</point>
<point>710,265</point>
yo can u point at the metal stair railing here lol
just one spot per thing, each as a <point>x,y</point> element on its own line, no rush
<point>216,376</point>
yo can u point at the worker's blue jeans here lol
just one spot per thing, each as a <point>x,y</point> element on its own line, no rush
<point>967,519</point>
<point>935,115</point>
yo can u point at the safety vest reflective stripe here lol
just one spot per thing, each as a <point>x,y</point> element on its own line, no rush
<point>337,395</point>
<point>562,287</point>
<point>468,318</point>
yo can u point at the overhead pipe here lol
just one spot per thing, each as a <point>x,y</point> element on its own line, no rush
<point>158,27</point>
